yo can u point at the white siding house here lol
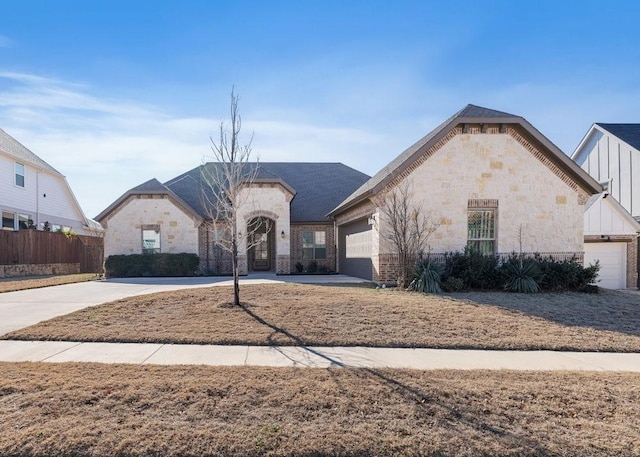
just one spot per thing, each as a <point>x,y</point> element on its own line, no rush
<point>33,193</point>
<point>611,237</point>
<point>610,153</point>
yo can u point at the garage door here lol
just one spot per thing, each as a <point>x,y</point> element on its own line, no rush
<point>613,263</point>
<point>354,246</point>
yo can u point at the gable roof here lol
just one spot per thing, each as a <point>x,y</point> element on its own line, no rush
<point>616,207</point>
<point>18,152</point>
<point>151,187</point>
<point>11,146</point>
<point>629,133</point>
<point>317,187</point>
<point>470,114</point>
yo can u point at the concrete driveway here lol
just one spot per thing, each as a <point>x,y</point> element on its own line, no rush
<point>27,307</point>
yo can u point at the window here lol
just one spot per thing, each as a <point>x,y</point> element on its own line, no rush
<point>151,241</point>
<point>481,232</point>
<point>314,245</point>
<point>8,220</point>
<point>19,174</point>
<point>24,221</point>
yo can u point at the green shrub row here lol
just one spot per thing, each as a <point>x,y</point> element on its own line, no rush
<point>137,265</point>
<point>471,270</point>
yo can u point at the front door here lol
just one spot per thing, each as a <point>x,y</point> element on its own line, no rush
<point>261,251</point>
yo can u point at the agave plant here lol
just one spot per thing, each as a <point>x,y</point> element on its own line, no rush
<point>522,275</point>
<point>428,276</point>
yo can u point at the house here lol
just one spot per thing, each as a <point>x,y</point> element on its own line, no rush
<point>610,153</point>
<point>488,178</point>
<point>611,237</point>
<point>33,194</point>
<point>292,198</point>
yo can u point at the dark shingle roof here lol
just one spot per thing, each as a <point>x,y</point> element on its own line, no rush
<point>629,133</point>
<point>150,186</point>
<point>479,111</point>
<point>12,147</point>
<point>319,187</point>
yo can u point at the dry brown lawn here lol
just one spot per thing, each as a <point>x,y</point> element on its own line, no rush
<point>126,410</point>
<point>35,282</point>
<point>294,314</point>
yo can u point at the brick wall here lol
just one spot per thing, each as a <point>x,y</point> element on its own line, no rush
<point>633,260</point>
<point>296,245</point>
<point>213,259</point>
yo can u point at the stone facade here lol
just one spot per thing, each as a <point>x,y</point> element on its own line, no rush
<point>270,201</point>
<point>538,209</point>
<point>123,227</point>
<point>296,245</point>
<point>14,271</point>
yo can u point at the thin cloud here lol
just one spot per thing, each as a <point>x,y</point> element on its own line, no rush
<point>115,144</point>
<point>5,42</point>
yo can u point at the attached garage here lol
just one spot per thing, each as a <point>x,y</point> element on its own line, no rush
<point>611,237</point>
<point>354,248</point>
<point>613,263</point>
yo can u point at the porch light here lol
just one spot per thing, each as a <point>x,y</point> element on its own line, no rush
<point>282,234</point>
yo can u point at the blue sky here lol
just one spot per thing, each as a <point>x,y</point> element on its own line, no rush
<point>113,93</point>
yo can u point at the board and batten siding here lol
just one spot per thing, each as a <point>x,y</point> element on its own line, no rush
<point>606,158</point>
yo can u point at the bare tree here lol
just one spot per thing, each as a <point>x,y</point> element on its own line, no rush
<point>405,228</point>
<point>226,182</point>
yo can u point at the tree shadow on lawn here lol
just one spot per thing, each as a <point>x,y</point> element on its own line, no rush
<point>607,310</point>
<point>455,415</point>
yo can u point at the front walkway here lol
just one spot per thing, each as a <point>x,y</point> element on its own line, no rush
<point>313,357</point>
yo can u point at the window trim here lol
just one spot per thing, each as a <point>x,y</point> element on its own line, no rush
<point>22,175</point>
<point>14,217</point>
<point>150,228</point>
<point>493,236</point>
<point>315,246</point>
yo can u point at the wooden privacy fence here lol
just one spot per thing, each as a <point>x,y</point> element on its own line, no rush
<point>34,247</point>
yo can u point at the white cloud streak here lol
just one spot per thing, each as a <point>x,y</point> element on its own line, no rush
<point>106,146</point>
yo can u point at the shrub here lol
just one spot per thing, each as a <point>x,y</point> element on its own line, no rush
<point>568,274</point>
<point>427,277</point>
<point>453,284</point>
<point>313,266</point>
<point>137,265</point>
<point>299,267</point>
<point>521,275</point>
<point>476,270</point>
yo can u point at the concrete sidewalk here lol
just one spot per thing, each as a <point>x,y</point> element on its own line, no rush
<point>313,357</point>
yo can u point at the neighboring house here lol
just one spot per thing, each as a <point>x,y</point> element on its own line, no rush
<point>488,178</point>
<point>33,194</point>
<point>294,198</point>
<point>611,154</point>
<point>611,237</point>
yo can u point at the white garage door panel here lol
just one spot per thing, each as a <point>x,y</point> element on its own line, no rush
<point>613,263</point>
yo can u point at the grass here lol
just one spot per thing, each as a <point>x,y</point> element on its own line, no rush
<point>126,410</point>
<point>35,282</point>
<point>293,314</point>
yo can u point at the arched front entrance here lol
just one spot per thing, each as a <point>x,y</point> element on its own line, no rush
<point>262,244</point>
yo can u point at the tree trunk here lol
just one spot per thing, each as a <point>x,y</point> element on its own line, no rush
<point>236,279</point>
